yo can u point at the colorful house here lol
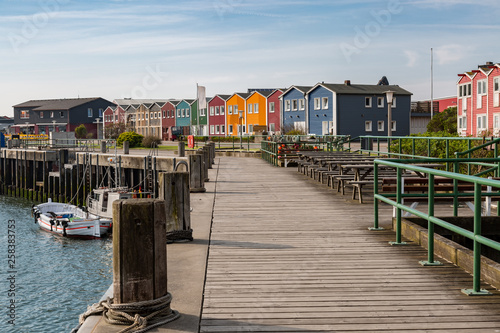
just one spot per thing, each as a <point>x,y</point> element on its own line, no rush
<point>478,91</point>
<point>199,119</point>
<point>168,119</point>
<point>236,114</point>
<point>217,115</point>
<point>347,109</point>
<point>274,111</point>
<point>256,110</point>
<point>183,116</point>
<point>294,109</point>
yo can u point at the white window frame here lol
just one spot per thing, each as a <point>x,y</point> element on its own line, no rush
<point>229,109</point>
<point>250,108</point>
<point>216,129</point>
<point>324,103</point>
<point>222,129</point>
<point>178,113</point>
<point>250,128</point>
<point>41,114</point>
<point>496,91</point>
<point>482,88</point>
<point>368,126</point>
<point>235,109</point>
<point>61,114</point>
<point>380,102</point>
<point>164,114</point>
<point>271,107</point>
<point>393,127</point>
<point>211,129</point>
<point>302,104</point>
<point>393,105</point>
<point>24,114</point>
<point>294,105</point>
<point>90,112</point>
<point>222,110</point>
<point>481,123</point>
<point>380,125</point>
<point>256,108</point>
<point>317,103</point>
<point>272,127</point>
<point>369,100</point>
<point>188,112</point>
<point>217,110</point>
<point>496,123</point>
<point>287,105</point>
<point>230,129</point>
<point>211,110</point>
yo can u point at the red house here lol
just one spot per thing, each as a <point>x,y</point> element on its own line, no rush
<point>168,120</point>
<point>274,111</point>
<point>479,101</point>
<point>217,115</point>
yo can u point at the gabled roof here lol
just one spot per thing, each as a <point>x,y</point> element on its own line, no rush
<point>223,97</point>
<point>242,95</point>
<point>361,89</point>
<point>132,101</point>
<point>302,89</point>
<point>174,102</point>
<point>55,104</point>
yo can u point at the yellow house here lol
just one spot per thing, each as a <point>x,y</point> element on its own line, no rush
<point>235,104</point>
<point>256,106</point>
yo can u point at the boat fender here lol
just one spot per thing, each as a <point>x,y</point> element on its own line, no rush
<point>64,224</point>
<point>64,231</point>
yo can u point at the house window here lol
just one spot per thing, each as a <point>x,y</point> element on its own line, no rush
<point>188,112</point>
<point>25,114</point>
<point>393,102</point>
<point>393,127</point>
<point>41,114</point>
<point>324,102</point>
<point>481,87</point>
<point>222,111</point>
<point>236,109</point>
<point>230,110</point>
<point>496,121</point>
<point>250,108</point>
<point>380,102</point>
<point>216,110</point>
<point>211,129</point>
<point>51,114</point>
<point>368,126</point>
<point>496,91</point>
<point>100,112</point>
<point>164,114</point>
<point>147,115</point>
<point>230,129</point>
<point>250,128</point>
<point>211,110</point>
<point>178,113</point>
<point>90,112</point>
<point>287,105</point>
<point>271,107</point>
<point>61,114</point>
<point>481,123</point>
<point>203,112</point>
<point>317,105</point>
<point>256,108</point>
<point>271,127</point>
<point>368,102</point>
<point>302,104</point>
<point>380,125</point>
<point>216,129</point>
<point>294,105</point>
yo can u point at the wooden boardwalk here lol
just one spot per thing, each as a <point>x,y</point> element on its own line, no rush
<point>289,255</point>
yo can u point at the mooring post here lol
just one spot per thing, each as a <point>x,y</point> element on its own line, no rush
<point>208,151</point>
<point>126,147</point>
<point>196,177</point>
<point>206,161</point>
<point>139,250</point>
<point>103,146</point>
<point>182,149</point>
<point>174,189</point>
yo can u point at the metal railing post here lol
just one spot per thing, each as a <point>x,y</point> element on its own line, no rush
<point>430,227</point>
<point>399,185</point>
<point>375,201</point>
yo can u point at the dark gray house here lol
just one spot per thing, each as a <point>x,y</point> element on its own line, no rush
<point>60,115</point>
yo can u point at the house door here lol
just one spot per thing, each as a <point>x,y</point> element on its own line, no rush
<point>325,128</point>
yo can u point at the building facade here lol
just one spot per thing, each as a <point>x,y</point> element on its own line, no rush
<point>217,115</point>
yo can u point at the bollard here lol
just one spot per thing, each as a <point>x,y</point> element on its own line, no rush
<point>182,149</point>
<point>103,147</point>
<point>212,149</point>
<point>206,159</point>
<point>139,250</point>
<point>196,174</point>
<point>126,147</point>
<point>209,157</point>
<point>174,189</point>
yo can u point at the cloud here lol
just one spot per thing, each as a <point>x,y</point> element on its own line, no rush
<point>451,53</point>
<point>412,57</point>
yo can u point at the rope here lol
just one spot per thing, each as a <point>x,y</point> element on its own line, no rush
<point>177,235</point>
<point>140,316</point>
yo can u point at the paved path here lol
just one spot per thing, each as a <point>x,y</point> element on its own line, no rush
<point>287,254</point>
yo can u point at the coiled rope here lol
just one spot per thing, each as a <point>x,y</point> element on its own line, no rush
<point>140,316</point>
<point>179,235</point>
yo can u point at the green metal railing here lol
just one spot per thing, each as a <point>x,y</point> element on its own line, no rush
<point>477,194</point>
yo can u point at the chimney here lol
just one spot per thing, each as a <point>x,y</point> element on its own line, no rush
<point>489,63</point>
<point>347,82</point>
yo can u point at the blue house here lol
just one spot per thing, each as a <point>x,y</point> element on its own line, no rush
<point>348,109</point>
<point>294,110</point>
<point>183,116</point>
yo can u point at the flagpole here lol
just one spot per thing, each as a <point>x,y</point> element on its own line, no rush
<point>432,86</point>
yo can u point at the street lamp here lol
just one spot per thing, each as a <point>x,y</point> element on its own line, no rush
<point>241,128</point>
<point>389,96</point>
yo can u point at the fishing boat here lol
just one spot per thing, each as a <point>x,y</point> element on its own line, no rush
<point>100,201</point>
<point>70,221</point>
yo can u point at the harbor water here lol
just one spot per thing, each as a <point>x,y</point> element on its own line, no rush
<point>46,281</point>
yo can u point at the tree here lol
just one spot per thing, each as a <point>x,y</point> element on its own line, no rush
<point>134,139</point>
<point>81,132</point>
<point>445,121</point>
<point>113,131</point>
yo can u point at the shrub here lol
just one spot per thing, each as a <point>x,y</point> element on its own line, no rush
<point>81,132</point>
<point>151,141</point>
<point>133,138</point>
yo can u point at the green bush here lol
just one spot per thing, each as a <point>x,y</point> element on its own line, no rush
<point>134,139</point>
<point>151,141</point>
<point>81,132</point>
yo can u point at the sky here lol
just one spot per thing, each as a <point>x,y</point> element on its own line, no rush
<point>162,49</point>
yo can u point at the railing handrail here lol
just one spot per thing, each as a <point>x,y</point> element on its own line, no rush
<point>486,144</point>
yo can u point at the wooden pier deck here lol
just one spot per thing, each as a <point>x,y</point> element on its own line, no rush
<point>288,255</point>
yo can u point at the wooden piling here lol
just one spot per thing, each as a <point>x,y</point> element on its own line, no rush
<point>139,250</point>
<point>196,174</point>
<point>174,189</point>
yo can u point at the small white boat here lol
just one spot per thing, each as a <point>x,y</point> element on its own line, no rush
<point>70,221</point>
<point>100,201</point>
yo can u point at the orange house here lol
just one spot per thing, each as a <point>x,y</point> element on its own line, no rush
<point>236,103</point>
<point>256,111</point>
